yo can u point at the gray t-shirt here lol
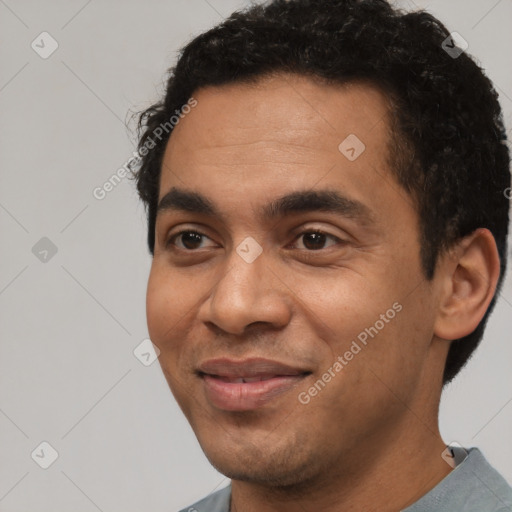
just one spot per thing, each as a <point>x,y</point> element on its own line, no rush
<point>473,486</point>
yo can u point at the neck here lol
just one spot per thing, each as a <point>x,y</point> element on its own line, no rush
<point>394,468</point>
<point>388,479</point>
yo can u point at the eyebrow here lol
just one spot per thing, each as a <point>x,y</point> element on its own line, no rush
<point>329,201</point>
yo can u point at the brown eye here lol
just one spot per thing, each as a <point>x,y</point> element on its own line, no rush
<point>190,240</point>
<point>315,240</point>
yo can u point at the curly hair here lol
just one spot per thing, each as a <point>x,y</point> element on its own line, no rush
<point>448,148</point>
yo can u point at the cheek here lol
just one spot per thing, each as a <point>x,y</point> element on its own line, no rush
<point>166,310</point>
<point>377,323</point>
<point>166,303</point>
<point>397,354</point>
<point>157,310</point>
<point>347,304</point>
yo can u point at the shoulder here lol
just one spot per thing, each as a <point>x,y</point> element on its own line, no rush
<point>216,502</point>
<point>473,486</point>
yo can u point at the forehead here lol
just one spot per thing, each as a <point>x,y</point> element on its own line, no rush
<point>280,134</point>
<point>282,109</point>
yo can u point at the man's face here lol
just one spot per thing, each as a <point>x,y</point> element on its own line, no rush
<point>260,296</point>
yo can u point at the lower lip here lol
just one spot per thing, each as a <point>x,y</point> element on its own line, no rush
<point>246,396</point>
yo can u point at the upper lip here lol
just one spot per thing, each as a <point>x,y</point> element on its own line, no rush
<point>253,367</point>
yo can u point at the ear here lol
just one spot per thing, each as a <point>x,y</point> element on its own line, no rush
<point>469,274</point>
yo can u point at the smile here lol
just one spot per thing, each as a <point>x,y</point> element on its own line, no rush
<point>247,385</point>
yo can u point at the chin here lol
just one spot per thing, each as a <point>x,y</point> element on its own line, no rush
<point>278,468</point>
<point>266,475</point>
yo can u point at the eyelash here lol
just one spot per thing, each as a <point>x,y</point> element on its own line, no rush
<point>171,239</point>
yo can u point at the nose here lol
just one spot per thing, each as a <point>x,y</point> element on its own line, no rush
<point>247,293</point>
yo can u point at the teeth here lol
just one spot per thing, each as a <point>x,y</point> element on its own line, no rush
<point>242,380</point>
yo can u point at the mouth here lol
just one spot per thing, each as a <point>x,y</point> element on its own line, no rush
<point>249,384</point>
<point>239,380</point>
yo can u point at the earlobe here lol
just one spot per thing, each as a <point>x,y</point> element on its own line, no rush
<point>470,274</point>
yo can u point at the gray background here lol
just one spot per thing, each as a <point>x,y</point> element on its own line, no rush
<point>69,325</point>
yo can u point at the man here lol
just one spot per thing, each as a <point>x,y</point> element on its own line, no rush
<point>325,185</point>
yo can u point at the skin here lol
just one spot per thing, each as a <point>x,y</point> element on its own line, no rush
<point>369,440</point>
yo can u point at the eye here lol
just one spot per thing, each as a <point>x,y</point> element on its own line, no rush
<point>190,239</point>
<point>315,239</point>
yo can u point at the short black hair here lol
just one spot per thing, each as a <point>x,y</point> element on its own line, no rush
<point>448,142</point>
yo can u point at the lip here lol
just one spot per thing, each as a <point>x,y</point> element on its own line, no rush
<point>223,389</point>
